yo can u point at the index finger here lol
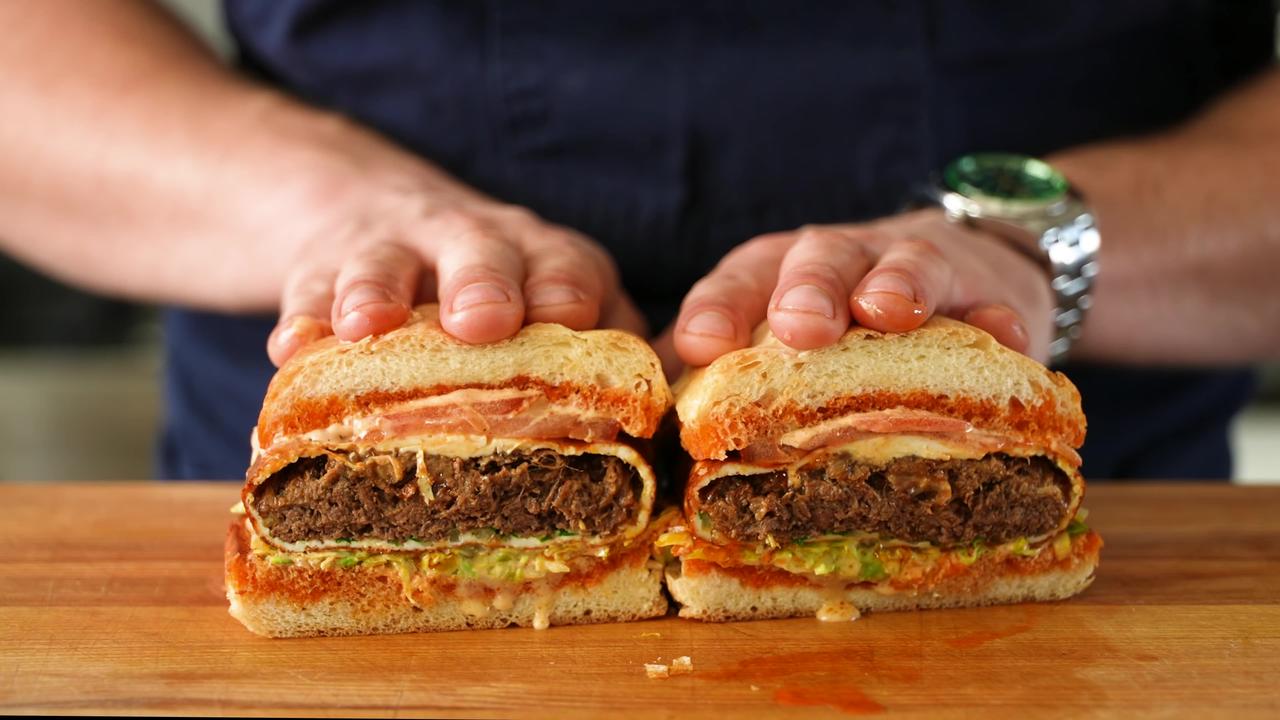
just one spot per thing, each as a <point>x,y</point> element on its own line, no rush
<point>722,309</point>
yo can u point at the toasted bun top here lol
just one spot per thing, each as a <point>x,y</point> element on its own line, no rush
<point>600,373</point>
<point>757,394</point>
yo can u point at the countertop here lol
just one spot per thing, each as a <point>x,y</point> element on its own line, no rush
<point>111,601</point>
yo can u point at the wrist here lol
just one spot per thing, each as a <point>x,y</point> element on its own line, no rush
<point>331,177</point>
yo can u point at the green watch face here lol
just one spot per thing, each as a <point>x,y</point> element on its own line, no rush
<point>1005,176</point>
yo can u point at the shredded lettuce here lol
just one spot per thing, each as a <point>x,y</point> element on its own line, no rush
<point>856,557</point>
<point>1022,548</point>
<point>872,570</point>
<point>970,555</point>
<point>838,557</point>
<point>507,564</point>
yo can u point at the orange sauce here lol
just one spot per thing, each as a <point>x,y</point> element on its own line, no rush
<point>979,638</point>
<point>846,699</point>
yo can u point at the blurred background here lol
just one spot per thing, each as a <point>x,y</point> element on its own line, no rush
<point>80,375</point>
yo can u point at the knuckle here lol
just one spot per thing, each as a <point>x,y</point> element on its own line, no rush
<point>708,289</point>
<point>378,262</point>
<point>380,281</point>
<point>558,246</point>
<point>516,214</point>
<point>308,283</point>
<point>847,247</point>
<point>864,238</point>
<point>459,221</point>
<point>559,278</point>
<point>819,235</point>
<point>822,272</point>
<point>919,247</point>
<point>768,243</point>
<point>477,272</point>
<point>310,287</point>
<point>732,280</point>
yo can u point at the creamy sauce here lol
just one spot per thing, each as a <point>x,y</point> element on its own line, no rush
<point>541,619</point>
<point>503,600</point>
<point>838,611</point>
<point>543,599</point>
<point>475,607</point>
<point>835,606</point>
<point>876,449</point>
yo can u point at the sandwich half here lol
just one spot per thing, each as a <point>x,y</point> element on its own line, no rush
<point>412,482</point>
<point>927,469</point>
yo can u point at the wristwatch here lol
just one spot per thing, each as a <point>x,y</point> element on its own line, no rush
<point>1030,204</point>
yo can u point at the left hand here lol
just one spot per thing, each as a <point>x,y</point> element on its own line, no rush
<point>889,275</point>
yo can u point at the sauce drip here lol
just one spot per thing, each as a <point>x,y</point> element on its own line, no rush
<point>542,602</point>
<point>835,606</point>
<point>838,611</point>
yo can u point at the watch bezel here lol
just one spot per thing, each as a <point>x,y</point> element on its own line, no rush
<point>953,181</point>
<point>969,173</point>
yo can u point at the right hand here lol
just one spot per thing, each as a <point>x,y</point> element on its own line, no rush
<point>492,267</point>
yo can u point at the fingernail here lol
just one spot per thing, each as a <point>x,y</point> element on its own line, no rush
<point>889,282</point>
<point>300,329</point>
<point>874,302</point>
<point>1018,331</point>
<point>553,295</point>
<point>808,299</point>
<point>362,295</point>
<point>481,293</point>
<point>710,323</point>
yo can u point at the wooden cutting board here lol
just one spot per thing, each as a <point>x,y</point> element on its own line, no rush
<point>111,601</point>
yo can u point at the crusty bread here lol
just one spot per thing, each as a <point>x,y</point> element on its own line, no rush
<point>301,601</point>
<point>601,372</point>
<point>709,592</point>
<point>768,389</point>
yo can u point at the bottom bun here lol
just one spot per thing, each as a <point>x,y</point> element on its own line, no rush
<point>707,591</point>
<point>304,601</point>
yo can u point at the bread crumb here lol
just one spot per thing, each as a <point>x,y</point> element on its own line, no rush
<point>755,688</point>
<point>656,670</point>
<point>650,634</point>
<point>682,665</point>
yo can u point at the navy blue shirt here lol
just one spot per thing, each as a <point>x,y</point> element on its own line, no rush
<point>672,131</point>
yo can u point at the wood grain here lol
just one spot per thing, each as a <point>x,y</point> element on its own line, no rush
<point>111,601</point>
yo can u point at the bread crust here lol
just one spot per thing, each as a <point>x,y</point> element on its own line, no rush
<point>946,367</point>
<point>306,601</point>
<point>603,373</point>
<point>707,591</point>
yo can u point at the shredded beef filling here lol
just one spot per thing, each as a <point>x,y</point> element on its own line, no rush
<point>996,499</point>
<point>379,497</point>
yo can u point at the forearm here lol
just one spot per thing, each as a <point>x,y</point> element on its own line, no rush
<point>133,164</point>
<point>1191,237</point>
